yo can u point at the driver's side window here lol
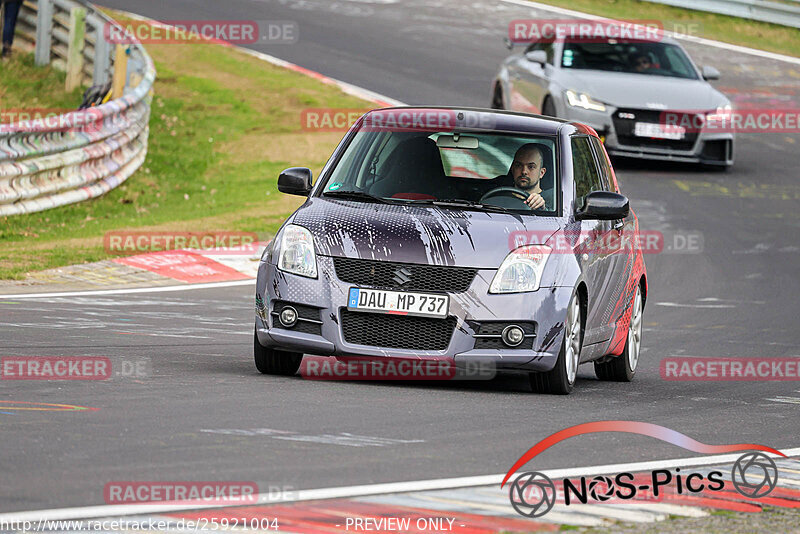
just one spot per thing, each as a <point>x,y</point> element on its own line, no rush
<point>584,170</point>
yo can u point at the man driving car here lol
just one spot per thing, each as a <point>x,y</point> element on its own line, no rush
<point>526,172</point>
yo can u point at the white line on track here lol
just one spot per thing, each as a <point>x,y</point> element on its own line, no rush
<point>364,490</point>
<point>699,40</point>
<point>162,289</point>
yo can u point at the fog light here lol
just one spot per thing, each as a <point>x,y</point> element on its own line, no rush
<point>512,335</point>
<point>288,316</point>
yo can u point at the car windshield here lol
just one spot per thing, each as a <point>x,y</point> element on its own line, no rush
<point>446,168</point>
<point>638,57</point>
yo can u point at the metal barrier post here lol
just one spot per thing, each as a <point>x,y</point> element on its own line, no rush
<point>102,52</point>
<point>44,27</point>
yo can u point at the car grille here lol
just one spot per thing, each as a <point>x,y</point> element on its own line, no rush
<point>624,129</point>
<point>397,331</point>
<point>404,276</point>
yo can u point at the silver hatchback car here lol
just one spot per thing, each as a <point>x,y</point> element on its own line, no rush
<point>631,92</point>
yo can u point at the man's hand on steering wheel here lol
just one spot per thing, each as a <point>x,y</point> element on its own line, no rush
<point>535,201</point>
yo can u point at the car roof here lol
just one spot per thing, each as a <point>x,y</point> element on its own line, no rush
<point>495,119</point>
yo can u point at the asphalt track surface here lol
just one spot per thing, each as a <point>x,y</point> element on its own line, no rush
<point>735,297</point>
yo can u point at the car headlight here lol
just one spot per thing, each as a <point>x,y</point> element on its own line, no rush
<point>582,100</point>
<point>297,254</point>
<point>722,113</point>
<point>521,271</point>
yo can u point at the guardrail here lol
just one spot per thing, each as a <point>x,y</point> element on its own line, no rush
<point>53,161</point>
<point>784,14</point>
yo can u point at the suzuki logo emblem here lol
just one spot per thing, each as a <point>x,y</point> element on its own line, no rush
<point>402,276</point>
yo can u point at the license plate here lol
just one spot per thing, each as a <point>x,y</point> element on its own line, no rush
<point>398,302</point>
<point>649,129</point>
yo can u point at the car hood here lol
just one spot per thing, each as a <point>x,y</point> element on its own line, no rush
<point>643,91</point>
<point>418,234</point>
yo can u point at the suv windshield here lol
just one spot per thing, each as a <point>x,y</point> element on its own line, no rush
<point>446,168</point>
<point>638,57</point>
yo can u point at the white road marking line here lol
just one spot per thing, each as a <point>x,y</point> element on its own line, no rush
<point>699,40</point>
<point>369,489</point>
<point>162,289</point>
<point>785,400</point>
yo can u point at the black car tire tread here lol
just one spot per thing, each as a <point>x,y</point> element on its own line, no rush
<point>555,381</point>
<point>275,362</point>
<point>617,368</point>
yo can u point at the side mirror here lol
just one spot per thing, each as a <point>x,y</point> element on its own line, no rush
<point>603,206</point>
<point>536,56</point>
<point>295,181</point>
<point>710,73</point>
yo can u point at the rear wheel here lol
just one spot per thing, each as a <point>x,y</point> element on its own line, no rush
<point>548,108</point>
<point>561,378</point>
<point>497,97</point>
<point>622,368</point>
<point>275,362</point>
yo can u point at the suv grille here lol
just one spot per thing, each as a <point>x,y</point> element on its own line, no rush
<point>397,331</point>
<point>404,276</point>
<point>624,129</point>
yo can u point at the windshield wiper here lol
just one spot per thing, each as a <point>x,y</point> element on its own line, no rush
<point>463,203</point>
<point>356,195</point>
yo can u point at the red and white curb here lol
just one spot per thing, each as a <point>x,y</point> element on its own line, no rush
<point>468,505</point>
<point>194,266</point>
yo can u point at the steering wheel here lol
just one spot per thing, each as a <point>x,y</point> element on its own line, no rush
<point>512,194</point>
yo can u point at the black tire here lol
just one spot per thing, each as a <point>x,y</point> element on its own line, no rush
<point>618,368</point>
<point>548,108</point>
<point>275,362</point>
<point>497,97</point>
<point>556,381</point>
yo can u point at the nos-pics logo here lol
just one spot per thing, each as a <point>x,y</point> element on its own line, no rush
<point>533,494</point>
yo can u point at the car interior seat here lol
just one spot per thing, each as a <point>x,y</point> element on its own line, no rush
<point>414,171</point>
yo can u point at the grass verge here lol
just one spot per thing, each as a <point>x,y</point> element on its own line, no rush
<point>733,30</point>
<point>223,125</point>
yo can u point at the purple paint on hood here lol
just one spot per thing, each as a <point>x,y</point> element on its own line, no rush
<point>416,234</point>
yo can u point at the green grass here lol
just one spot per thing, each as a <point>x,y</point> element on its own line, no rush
<point>23,86</point>
<point>734,30</point>
<point>223,125</point>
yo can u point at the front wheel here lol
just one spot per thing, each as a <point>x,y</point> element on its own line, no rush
<point>622,368</point>
<point>561,378</point>
<point>275,362</point>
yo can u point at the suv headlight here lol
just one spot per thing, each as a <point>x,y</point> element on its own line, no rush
<point>582,100</point>
<point>521,271</point>
<point>297,254</point>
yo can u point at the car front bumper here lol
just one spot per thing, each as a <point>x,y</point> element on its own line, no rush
<point>323,303</point>
<point>708,148</point>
